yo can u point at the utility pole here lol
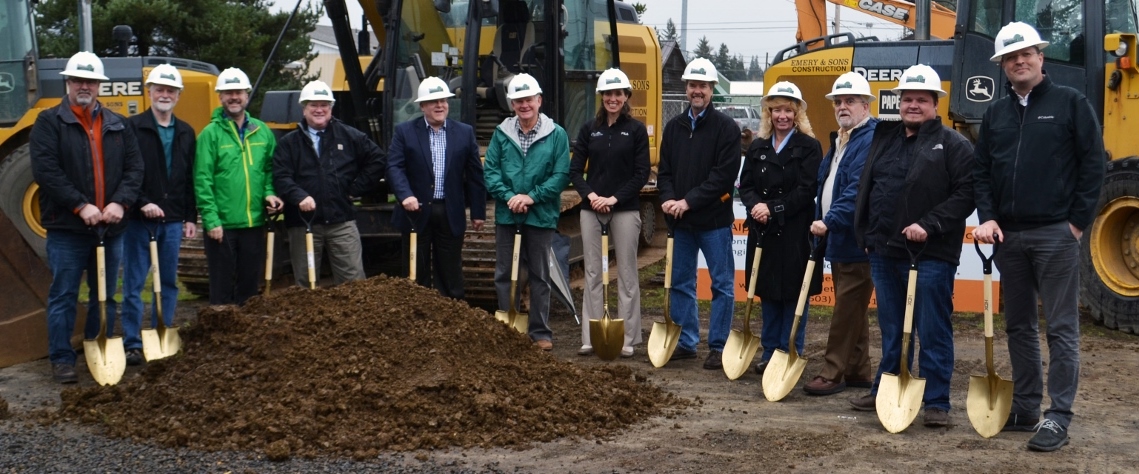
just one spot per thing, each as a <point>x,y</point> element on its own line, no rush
<point>86,37</point>
<point>684,26</point>
<point>837,19</point>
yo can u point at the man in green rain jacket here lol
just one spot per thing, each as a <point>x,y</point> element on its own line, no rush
<point>232,181</point>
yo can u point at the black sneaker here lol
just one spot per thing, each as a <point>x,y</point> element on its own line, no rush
<point>1049,436</point>
<point>1020,423</point>
<point>63,373</point>
<point>681,353</point>
<point>134,357</point>
<point>714,361</point>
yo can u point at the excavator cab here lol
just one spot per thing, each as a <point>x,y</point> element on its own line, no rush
<point>18,89</point>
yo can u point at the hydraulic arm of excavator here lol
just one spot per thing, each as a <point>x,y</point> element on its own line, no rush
<point>813,16</point>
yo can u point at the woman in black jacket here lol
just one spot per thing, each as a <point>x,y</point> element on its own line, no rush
<point>777,187</point>
<point>610,166</point>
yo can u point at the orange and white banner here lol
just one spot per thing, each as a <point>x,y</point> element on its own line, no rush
<point>968,290</point>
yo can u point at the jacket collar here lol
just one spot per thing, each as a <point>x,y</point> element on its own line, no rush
<point>1037,90</point>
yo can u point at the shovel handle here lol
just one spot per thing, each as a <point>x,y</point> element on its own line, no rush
<point>310,255</point>
<point>270,237</point>
<point>413,246</point>
<point>156,278</point>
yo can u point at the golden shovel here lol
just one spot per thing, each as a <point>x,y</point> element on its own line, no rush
<point>105,356</point>
<point>664,336</point>
<point>519,321</point>
<point>899,396</point>
<point>990,396</point>
<point>270,240</point>
<point>310,255</point>
<point>785,368</point>
<point>607,335</point>
<point>741,346</point>
<point>161,341</point>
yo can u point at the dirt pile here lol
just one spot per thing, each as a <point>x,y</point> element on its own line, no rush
<point>3,408</point>
<point>375,365</point>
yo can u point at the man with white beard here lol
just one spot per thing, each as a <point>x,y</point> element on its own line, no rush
<point>165,207</point>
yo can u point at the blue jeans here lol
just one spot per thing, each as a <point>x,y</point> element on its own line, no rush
<point>776,331</point>
<point>717,248</point>
<point>136,266</point>
<point>69,254</point>
<point>933,306</point>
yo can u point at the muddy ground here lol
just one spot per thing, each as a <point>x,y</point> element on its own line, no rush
<point>733,428</point>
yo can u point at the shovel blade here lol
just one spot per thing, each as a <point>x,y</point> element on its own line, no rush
<point>106,359</point>
<point>607,336</point>
<point>988,403</point>
<point>519,321</point>
<point>781,375</point>
<point>662,342</point>
<point>160,345</point>
<point>898,401</point>
<point>739,351</point>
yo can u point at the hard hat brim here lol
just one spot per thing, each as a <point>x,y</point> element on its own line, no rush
<point>802,103</point>
<point>232,87</point>
<point>523,94</point>
<point>1017,47</point>
<point>162,82</point>
<point>85,75</point>
<point>869,97</point>
<point>940,93</point>
<point>435,96</point>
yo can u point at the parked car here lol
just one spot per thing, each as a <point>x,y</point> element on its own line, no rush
<point>745,116</point>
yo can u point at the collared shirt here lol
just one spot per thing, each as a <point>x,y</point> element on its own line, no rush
<point>240,129</point>
<point>315,135</point>
<point>438,139</point>
<point>525,139</point>
<point>779,146</point>
<point>1023,99</point>
<point>166,136</point>
<point>693,118</point>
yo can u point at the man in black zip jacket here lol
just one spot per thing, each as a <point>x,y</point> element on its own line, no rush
<point>915,193</point>
<point>317,169</point>
<point>165,207</point>
<point>699,163</point>
<point>1038,173</point>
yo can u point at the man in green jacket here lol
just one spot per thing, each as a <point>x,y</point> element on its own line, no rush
<point>232,180</point>
<point>527,167</point>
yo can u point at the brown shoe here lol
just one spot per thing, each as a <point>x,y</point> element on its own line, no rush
<point>936,417</point>
<point>821,386</point>
<point>544,344</point>
<point>864,403</point>
<point>855,383</point>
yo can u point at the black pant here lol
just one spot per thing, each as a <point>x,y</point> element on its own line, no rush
<point>439,255</point>
<point>237,264</point>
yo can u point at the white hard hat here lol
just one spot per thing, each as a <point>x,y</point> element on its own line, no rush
<point>433,88</point>
<point>166,75</point>
<point>522,85</point>
<point>789,90</point>
<point>317,90</point>
<point>1015,36</point>
<point>700,69</point>
<point>920,77</point>
<point>232,79</point>
<point>85,65</point>
<point>612,79</point>
<point>851,83</point>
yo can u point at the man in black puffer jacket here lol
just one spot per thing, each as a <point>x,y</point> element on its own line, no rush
<point>322,184</point>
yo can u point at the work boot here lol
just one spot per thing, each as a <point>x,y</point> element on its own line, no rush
<point>1049,436</point>
<point>1020,423</point>
<point>864,403</point>
<point>63,373</point>
<point>936,417</point>
<point>760,367</point>
<point>681,353</point>
<point>821,386</point>
<point>714,361</point>
<point>134,357</point>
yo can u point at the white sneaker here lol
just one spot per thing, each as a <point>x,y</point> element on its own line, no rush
<point>585,350</point>
<point>627,352</point>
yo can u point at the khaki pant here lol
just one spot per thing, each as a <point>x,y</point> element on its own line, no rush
<point>848,345</point>
<point>624,235</point>
<point>344,252</point>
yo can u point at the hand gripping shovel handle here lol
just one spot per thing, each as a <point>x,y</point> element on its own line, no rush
<point>987,268</point>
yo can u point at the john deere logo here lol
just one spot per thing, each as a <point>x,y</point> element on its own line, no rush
<point>918,78</point>
<point>86,67</point>
<point>167,76</point>
<point>845,85</point>
<point>435,89</point>
<point>697,71</point>
<point>1014,39</point>
<point>786,89</point>
<point>523,87</point>
<point>615,80</point>
<point>320,92</point>
<point>233,80</point>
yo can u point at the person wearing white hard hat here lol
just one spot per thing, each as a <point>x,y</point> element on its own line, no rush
<point>435,185</point>
<point>915,193</point>
<point>527,168</point>
<point>165,207</point>
<point>86,161</point>
<point>846,361</point>
<point>1039,167</point>
<point>777,187</point>
<point>233,169</point>
<point>318,170</point>
<point>614,147</point>
<point>699,163</point>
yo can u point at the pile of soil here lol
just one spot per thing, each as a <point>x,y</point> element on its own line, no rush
<point>3,408</point>
<point>374,365</point>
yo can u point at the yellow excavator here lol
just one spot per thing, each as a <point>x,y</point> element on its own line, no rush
<point>812,15</point>
<point>28,85</point>
<point>1092,49</point>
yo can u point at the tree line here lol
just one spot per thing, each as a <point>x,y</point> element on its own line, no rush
<point>731,66</point>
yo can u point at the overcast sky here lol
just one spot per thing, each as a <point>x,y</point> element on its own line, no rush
<point>748,27</point>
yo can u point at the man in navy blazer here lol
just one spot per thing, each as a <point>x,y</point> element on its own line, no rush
<point>435,172</point>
